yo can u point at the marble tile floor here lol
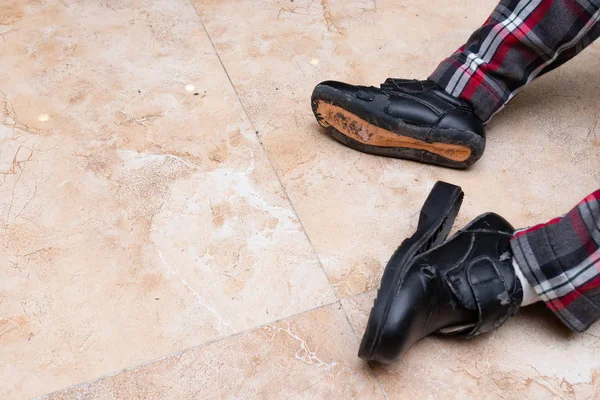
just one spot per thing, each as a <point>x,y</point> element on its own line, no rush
<point>175,225</point>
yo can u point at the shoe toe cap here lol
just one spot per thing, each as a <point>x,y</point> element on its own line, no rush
<point>403,323</point>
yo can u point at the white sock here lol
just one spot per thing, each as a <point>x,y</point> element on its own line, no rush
<point>529,295</point>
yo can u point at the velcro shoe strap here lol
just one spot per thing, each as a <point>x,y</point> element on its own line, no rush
<point>491,295</point>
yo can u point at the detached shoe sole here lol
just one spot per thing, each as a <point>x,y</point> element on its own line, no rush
<point>371,121</point>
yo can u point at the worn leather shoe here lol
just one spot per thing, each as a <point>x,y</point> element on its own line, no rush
<point>408,119</point>
<point>464,286</point>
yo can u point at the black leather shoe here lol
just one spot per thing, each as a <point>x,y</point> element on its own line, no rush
<point>464,286</point>
<point>408,119</point>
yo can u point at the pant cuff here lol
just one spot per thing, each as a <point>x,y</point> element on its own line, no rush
<point>525,257</point>
<point>454,76</point>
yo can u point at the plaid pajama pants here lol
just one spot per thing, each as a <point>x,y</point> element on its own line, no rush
<point>561,260</point>
<point>521,40</point>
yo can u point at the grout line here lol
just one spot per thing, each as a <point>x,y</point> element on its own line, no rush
<point>286,194</point>
<point>288,317</point>
<point>268,156</point>
<point>385,396</point>
<point>188,349</point>
<point>353,296</point>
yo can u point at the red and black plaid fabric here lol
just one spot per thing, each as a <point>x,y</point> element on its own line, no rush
<point>561,260</point>
<point>521,40</point>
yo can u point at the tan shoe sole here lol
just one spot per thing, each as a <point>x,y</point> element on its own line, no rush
<point>361,131</point>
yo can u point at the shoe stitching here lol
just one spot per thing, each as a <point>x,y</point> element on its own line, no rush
<point>463,259</point>
<point>444,115</point>
<point>407,96</point>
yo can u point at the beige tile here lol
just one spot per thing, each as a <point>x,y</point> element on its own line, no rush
<point>532,356</point>
<point>139,215</point>
<point>311,356</point>
<point>542,153</point>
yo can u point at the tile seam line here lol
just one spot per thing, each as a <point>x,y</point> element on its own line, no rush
<point>188,349</point>
<point>213,341</point>
<point>310,242</point>
<point>201,345</point>
<point>356,335</point>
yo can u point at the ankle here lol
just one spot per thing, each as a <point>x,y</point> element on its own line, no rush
<point>530,296</point>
